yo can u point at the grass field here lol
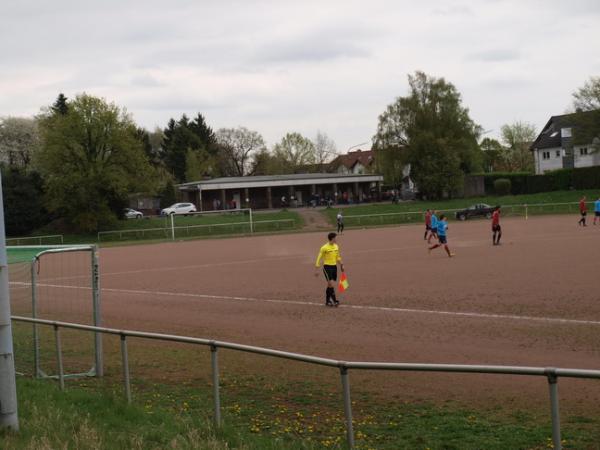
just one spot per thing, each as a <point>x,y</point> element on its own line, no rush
<point>445,205</point>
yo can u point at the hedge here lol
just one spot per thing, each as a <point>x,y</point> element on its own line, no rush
<point>556,180</point>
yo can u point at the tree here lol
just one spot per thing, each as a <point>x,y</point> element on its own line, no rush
<point>236,147</point>
<point>181,136</point>
<point>517,137</point>
<point>587,98</point>
<point>294,151</point>
<point>430,130</point>
<point>61,105</point>
<point>200,164</point>
<point>90,159</point>
<point>19,140</point>
<point>325,148</point>
<point>23,201</point>
<point>494,155</point>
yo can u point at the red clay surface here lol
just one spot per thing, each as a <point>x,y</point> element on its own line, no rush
<point>534,300</point>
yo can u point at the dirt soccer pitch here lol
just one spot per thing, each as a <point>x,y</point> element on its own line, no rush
<point>533,301</point>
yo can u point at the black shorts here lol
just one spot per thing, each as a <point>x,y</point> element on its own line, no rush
<point>597,213</point>
<point>443,239</point>
<point>434,231</point>
<point>330,273</point>
<point>583,213</point>
<point>427,227</point>
<point>496,228</point>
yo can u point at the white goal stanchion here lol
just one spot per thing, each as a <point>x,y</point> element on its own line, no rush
<point>58,282</point>
<point>175,221</point>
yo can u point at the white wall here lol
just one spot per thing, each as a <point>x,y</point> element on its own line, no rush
<point>544,165</point>
<point>589,160</point>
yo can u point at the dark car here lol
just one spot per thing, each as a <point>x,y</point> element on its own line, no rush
<point>478,210</point>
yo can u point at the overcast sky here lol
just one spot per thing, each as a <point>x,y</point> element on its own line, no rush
<point>279,66</point>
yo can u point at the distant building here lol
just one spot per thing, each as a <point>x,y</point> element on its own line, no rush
<point>358,162</point>
<point>568,141</point>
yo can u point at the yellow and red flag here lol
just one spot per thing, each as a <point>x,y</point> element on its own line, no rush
<point>343,284</point>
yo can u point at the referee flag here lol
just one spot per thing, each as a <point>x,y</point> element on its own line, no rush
<point>343,284</point>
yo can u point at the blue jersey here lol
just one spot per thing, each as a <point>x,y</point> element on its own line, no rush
<point>597,206</point>
<point>434,222</point>
<point>442,226</point>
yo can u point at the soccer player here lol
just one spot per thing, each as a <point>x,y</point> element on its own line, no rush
<point>596,210</point>
<point>442,227</point>
<point>330,253</point>
<point>427,223</point>
<point>582,211</point>
<point>340,222</point>
<point>496,228</point>
<point>434,227</point>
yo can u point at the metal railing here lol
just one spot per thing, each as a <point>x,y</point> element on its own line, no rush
<point>412,216</point>
<point>39,239</point>
<point>170,233</point>
<point>550,373</point>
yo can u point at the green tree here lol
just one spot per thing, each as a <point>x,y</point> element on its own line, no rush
<point>431,131</point>
<point>294,151</point>
<point>61,105</point>
<point>494,155</point>
<point>517,137</point>
<point>587,97</point>
<point>200,164</point>
<point>168,194</point>
<point>90,159</point>
<point>181,136</point>
<point>19,141</point>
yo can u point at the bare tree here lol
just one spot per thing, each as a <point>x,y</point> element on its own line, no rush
<point>587,98</point>
<point>325,148</point>
<point>236,147</point>
<point>294,151</point>
<point>19,140</point>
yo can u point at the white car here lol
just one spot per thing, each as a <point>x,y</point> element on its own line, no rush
<point>132,214</point>
<point>179,208</point>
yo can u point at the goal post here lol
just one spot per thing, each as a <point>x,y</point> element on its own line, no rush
<point>67,281</point>
<point>192,224</point>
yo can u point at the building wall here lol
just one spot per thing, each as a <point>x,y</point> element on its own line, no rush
<point>589,160</point>
<point>554,162</point>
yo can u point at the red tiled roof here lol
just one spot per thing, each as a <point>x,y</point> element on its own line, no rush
<point>350,159</point>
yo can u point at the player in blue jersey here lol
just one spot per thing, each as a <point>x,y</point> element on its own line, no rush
<point>596,210</point>
<point>442,227</point>
<point>434,225</point>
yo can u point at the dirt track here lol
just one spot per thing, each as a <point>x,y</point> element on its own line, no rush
<point>402,304</point>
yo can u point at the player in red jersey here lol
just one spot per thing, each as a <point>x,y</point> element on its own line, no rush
<point>496,228</point>
<point>582,211</point>
<point>427,223</point>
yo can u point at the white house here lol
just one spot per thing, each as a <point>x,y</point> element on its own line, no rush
<point>568,141</point>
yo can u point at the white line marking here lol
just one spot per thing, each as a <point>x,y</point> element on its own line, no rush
<point>358,307</point>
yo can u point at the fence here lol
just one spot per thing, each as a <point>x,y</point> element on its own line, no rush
<point>524,210</point>
<point>40,240</point>
<point>550,373</point>
<point>198,230</point>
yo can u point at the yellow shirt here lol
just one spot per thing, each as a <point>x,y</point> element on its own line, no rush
<point>330,254</point>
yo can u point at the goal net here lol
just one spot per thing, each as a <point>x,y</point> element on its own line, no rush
<point>58,283</point>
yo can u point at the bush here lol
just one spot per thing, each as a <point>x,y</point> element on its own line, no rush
<point>502,186</point>
<point>586,178</point>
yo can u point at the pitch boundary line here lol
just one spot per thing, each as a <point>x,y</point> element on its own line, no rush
<point>343,306</point>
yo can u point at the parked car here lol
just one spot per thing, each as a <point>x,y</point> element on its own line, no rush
<point>478,210</point>
<point>132,214</point>
<point>179,208</point>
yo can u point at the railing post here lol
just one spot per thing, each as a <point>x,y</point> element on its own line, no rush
<point>526,212</point>
<point>61,372</point>
<point>125,359</point>
<point>553,387</point>
<point>36,338</point>
<point>214,359</point>
<point>97,312</point>
<point>347,405</point>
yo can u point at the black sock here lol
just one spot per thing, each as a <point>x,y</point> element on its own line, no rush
<point>333,295</point>
<point>328,293</point>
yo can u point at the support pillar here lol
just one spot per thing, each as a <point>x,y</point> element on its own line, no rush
<point>357,196</point>
<point>247,197</point>
<point>269,198</point>
<point>223,199</point>
<point>378,191</point>
<point>336,194</point>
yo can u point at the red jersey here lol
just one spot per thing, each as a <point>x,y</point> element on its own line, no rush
<point>582,206</point>
<point>428,219</point>
<point>496,218</point>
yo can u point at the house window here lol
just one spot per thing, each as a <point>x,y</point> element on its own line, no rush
<point>545,155</point>
<point>558,153</point>
<point>583,151</point>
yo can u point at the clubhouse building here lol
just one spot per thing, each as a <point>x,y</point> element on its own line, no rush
<point>277,191</point>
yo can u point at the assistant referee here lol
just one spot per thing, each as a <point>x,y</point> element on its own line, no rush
<point>330,254</point>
